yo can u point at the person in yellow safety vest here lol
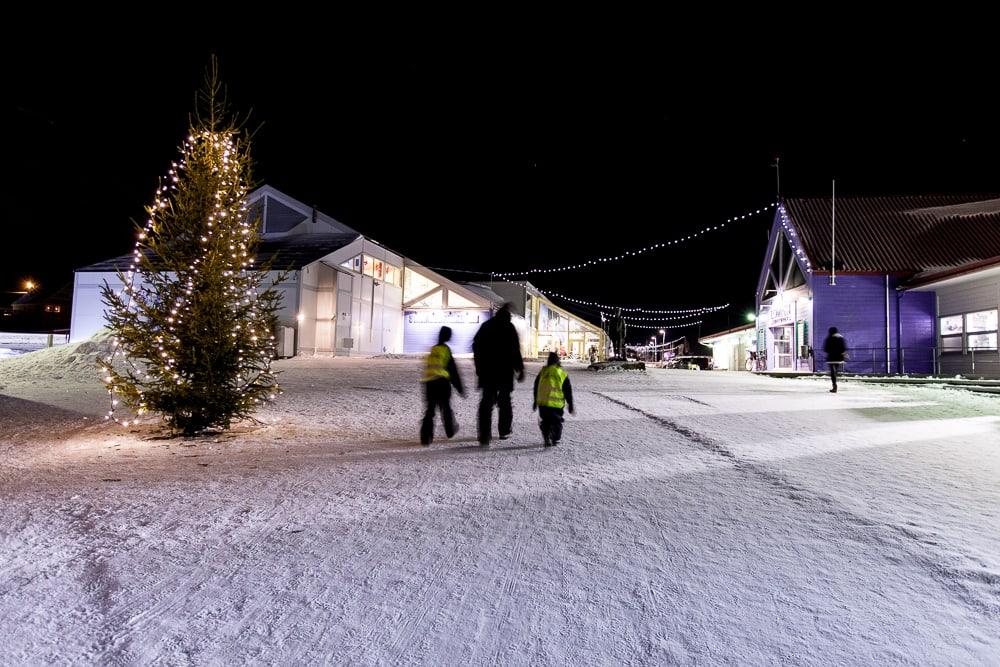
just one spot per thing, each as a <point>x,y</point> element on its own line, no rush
<point>553,391</point>
<point>440,373</point>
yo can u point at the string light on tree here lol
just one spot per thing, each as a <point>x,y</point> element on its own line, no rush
<point>192,322</point>
<point>634,253</point>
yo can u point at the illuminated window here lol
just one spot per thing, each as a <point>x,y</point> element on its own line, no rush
<point>392,274</point>
<point>434,300</point>
<point>458,301</point>
<point>354,264</point>
<point>415,284</point>
<point>378,268</point>
<point>368,265</point>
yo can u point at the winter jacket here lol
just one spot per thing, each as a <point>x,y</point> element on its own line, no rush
<point>835,347</point>
<point>497,353</point>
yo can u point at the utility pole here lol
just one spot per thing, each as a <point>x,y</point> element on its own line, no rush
<point>833,234</point>
<point>777,170</point>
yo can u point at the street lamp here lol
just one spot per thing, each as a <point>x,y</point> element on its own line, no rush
<point>653,339</point>
<point>664,350</point>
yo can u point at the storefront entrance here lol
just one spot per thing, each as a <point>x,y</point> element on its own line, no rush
<point>782,337</point>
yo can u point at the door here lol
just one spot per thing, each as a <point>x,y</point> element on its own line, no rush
<point>343,344</point>
<point>783,348</point>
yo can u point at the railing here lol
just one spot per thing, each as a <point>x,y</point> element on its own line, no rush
<point>917,361</point>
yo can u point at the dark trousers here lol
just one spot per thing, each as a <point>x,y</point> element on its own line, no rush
<point>834,367</point>
<point>551,423</point>
<point>438,396</point>
<point>500,397</point>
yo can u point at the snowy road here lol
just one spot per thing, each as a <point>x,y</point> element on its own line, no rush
<point>685,518</point>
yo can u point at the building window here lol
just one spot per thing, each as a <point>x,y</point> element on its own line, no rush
<point>392,274</point>
<point>354,264</point>
<point>415,285</point>
<point>981,330</point>
<point>970,331</point>
<point>951,333</point>
<point>368,265</point>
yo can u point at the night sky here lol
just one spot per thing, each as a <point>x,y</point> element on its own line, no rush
<point>490,154</point>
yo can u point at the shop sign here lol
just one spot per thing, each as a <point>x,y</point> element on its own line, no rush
<point>781,315</point>
<point>445,316</point>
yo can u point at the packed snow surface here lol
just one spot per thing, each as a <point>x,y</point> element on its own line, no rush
<point>686,517</point>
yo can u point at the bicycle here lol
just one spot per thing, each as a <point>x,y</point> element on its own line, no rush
<point>757,361</point>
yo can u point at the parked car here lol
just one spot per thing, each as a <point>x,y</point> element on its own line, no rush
<point>692,363</point>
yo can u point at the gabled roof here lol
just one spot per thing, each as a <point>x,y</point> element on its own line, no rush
<point>286,215</point>
<point>289,252</point>
<point>711,338</point>
<point>900,234</point>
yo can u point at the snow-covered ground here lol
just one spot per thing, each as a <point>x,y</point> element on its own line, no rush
<point>686,517</point>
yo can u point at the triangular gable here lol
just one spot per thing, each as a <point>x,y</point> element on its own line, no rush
<point>786,264</point>
<point>290,216</point>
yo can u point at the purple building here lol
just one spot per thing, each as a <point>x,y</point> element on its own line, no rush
<point>858,273</point>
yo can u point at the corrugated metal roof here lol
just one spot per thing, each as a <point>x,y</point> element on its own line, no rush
<point>905,235</point>
<point>289,252</point>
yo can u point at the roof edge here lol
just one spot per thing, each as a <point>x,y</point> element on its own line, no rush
<point>965,269</point>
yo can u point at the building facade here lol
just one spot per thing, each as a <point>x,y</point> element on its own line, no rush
<point>545,327</point>
<point>731,348</point>
<point>342,293</point>
<point>967,301</point>
<point>854,270</point>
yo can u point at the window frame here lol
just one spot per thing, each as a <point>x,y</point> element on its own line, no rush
<point>964,334</point>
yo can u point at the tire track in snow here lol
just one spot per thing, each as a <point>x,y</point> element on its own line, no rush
<point>965,585</point>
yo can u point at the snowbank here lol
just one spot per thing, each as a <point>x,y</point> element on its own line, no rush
<point>76,362</point>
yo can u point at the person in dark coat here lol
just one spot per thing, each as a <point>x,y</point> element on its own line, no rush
<point>553,392</point>
<point>497,354</point>
<point>440,374</point>
<point>836,352</point>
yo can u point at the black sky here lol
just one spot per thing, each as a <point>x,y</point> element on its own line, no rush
<point>502,153</point>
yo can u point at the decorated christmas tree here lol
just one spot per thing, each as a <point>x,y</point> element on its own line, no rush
<point>194,322</point>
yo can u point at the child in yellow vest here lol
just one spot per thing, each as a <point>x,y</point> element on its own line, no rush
<point>553,391</point>
<point>440,373</point>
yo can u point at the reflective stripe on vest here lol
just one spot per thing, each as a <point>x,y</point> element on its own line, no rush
<point>550,383</point>
<point>437,363</point>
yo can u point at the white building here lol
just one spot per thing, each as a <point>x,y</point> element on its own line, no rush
<point>344,294</point>
<point>731,348</point>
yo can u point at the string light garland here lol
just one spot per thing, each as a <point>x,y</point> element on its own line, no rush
<point>793,238</point>
<point>634,318</point>
<point>651,323</point>
<point>632,309</point>
<point>633,253</point>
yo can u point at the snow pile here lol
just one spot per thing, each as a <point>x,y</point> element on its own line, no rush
<point>6,353</point>
<point>617,366</point>
<point>76,362</point>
